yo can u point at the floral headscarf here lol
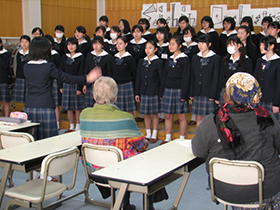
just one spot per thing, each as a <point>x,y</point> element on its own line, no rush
<point>244,89</point>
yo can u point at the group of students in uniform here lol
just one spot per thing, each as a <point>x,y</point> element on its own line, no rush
<point>160,71</point>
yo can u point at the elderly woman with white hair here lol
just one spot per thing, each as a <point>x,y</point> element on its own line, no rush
<point>242,130</point>
<point>118,128</point>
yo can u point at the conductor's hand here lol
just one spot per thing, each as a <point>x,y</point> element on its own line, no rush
<point>94,74</point>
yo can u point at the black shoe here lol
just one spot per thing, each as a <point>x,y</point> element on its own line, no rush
<point>128,207</point>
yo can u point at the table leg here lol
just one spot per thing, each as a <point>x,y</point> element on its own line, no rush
<point>5,175</point>
<point>120,196</point>
<point>146,201</point>
<point>180,191</point>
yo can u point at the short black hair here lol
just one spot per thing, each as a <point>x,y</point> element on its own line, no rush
<point>50,39</point>
<point>179,41</point>
<point>123,38</point>
<point>39,49</point>
<point>274,24</point>
<point>164,31</point>
<point>100,27</point>
<point>248,19</point>
<point>144,21</point>
<point>268,40</point>
<point>163,21</point>
<point>26,37</point>
<point>1,42</point>
<point>72,40</point>
<point>59,28</point>
<point>97,39</point>
<point>184,17</point>
<point>152,42</point>
<point>267,19</point>
<point>37,29</point>
<point>104,18</point>
<point>116,29</point>
<point>209,20</point>
<point>205,38</point>
<point>137,26</point>
<point>231,21</point>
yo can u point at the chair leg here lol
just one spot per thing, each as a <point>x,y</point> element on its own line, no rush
<point>225,207</point>
<point>39,206</point>
<point>10,178</point>
<point>113,197</point>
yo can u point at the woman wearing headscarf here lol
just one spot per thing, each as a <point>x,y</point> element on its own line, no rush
<point>241,129</point>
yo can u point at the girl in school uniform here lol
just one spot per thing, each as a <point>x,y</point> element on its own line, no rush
<point>37,32</point>
<point>114,34</point>
<point>267,72</point>
<point>149,73</point>
<point>183,23</point>
<point>123,71</point>
<point>190,48</point>
<point>83,40</point>
<point>136,46</point>
<point>59,39</point>
<point>235,61</point>
<point>20,83</point>
<point>125,29</point>
<point>103,21</point>
<point>97,57</point>
<point>208,28</point>
<point>5,58</point>
<point>229,30</point>
<point>190,42</point>
<point>175,87</point>
<point>162,43</point>
<point>205,79</point>
<point>146,25</point>
<point>39,75</point>
<point>73,63</point>
<point>244,34</point>
<point>56,59</point>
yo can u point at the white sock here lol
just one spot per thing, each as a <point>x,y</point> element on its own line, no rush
<point>71,126</point>
<point>77,127</point>
<point>140,115</point>
<point>148,132</point>
<point>182,137</point>
<point>193,118</point>
<point>58,127</point>
<point>154,136</point>
<point>168,137</point>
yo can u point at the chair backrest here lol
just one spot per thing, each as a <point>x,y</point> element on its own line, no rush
<point>11,139</point>
<point>61,162</point>
<point>101,155</point>
<point>236,172</point>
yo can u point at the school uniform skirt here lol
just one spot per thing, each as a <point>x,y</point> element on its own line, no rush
<point>202,106</point>
<point>171,102</point>
<point>56,94</point>
<point>125,99</point>
<point>4,92</point>
<point>268,106</point>
<point>47,119</point>
<point>70,99</point>
<point>89,101</point>
<point>19,90</point>
<point>149,104</point>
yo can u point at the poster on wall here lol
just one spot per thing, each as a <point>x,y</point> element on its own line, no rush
<point>155,11</point>
<point>220,11</point>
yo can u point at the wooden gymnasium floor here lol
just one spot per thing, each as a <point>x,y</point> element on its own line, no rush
<point>64,124</point>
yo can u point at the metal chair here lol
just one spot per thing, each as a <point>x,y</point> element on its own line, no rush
<point>233,172</point>
<point>33,193</point>
<point>101,156</point>
<point>11,139</point>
